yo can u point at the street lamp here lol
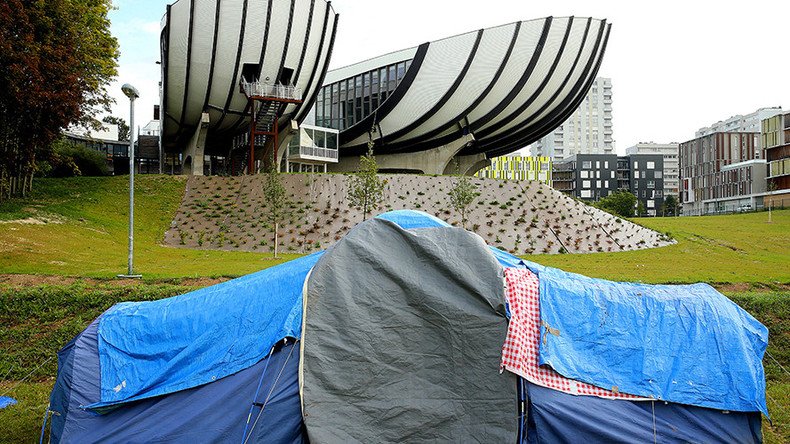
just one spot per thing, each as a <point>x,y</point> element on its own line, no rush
<point>132,93</point>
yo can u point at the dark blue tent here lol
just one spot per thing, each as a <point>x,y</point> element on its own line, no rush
<point>222,363</point>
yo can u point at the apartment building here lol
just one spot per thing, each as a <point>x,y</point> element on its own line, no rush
<point>591,177</point>
<point>722,172</point>
<point>669,152</point>
<point>775,140</point>
<point>587,131</point>
<point>748,123</point>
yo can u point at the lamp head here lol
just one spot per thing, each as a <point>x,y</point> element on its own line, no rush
<point>130,91</point>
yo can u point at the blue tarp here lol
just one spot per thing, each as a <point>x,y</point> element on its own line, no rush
<point>686,344</point>
<point>408,219</point>
<point>148,349</point>
<point>153,348</point>
<point>6,401</point>
<point>217,412</point>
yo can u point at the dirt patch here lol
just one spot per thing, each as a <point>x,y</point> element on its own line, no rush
<point>29,280</point>
<point>755,286</point>
<point>37,219</point>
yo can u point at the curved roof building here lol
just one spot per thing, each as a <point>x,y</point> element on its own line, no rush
<point>208,46</point>
<point>496,89</point>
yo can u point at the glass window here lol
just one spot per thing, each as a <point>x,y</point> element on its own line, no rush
<point>401,70</point>
<point>391,80</point>
<point>636,164</point>
<point>335,104</point>
<point>366,84</point>
<point>651,184</point>
<point>331,140</point>
<point>651,165</point>
<point>587,164</point>
<point>585,184</point>
<point>658,174</point>
<point>320,139</point>
<point>383,79</point>
<point>584,174</point>
<point>374,82</point>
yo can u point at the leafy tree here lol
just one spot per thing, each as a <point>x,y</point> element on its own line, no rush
<point>366,189</point>
<point>463,193</point>
<point>670,206</point>
<point>276,201</point>
<point>640,209</point>
<point>620,203</point>
<point>123,128</point>
<point>56,59</point>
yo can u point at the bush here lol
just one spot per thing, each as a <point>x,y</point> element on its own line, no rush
<point>68,159</point>
<point>620,203</point>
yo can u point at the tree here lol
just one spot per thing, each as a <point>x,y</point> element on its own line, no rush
<point>123,128</point>
<point>56,61</point>
<point>620,203</point>
<point>276,201</point>
<point>463,193</point>
<point>640,209</point>
<point>670,206</point>
<point>771,187</point>
<point>366,189</point>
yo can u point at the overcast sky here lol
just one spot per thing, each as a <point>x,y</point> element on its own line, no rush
<point>675,66</point>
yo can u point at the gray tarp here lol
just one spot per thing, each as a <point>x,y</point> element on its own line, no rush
<point>402,340</point>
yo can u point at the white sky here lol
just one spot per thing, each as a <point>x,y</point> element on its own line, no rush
<point>675,66</point>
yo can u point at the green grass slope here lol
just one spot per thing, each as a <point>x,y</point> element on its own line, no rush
<point>86,231</point>
<point>715,249</point>
<point>86,235</point>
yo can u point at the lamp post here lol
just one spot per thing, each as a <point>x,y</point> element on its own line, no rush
<point>132,93</point>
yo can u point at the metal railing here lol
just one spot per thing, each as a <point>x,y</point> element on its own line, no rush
<point>277,90</point>
<point>313,151</point>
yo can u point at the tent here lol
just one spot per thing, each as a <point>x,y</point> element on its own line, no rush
<point>396,333</point>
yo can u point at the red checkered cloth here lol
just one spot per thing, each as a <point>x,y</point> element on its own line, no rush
<point>520,352</point>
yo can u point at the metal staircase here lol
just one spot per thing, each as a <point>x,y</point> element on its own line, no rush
<point>266,103</point>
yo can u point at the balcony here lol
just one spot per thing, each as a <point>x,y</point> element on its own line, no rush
<point>267,90</point>
<point>312,154</point>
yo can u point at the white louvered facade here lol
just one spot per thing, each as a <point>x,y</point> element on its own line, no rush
<point>206,45</point>
<point>507,86</point>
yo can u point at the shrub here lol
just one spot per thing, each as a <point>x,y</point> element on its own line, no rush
<point>68,159</point>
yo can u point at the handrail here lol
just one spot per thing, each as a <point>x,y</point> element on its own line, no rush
<point>314,151</point>
<point>277,90</point>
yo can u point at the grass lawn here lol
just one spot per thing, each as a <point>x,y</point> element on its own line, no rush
<point>715,249</point>
<point>85,236</point>
<point>87,232</point>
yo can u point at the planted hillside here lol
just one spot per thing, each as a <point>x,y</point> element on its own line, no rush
<point>520,217</point>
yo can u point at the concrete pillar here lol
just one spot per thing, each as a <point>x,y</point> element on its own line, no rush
<point>284,138</point>
<point>434,161</point>
<point>468,165</point>
<point>193,154</point>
